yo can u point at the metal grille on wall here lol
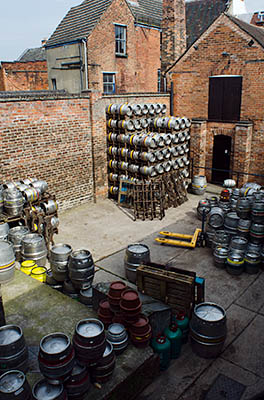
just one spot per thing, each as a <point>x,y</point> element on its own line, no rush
<point>148,158</point>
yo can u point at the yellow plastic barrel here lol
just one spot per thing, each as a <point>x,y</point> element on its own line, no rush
<point>27,266</point>
<point>39,273</point>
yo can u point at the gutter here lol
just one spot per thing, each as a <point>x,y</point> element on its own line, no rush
<point>84,41</point>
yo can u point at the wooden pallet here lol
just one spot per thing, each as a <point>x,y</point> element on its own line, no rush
<point>177,288</point>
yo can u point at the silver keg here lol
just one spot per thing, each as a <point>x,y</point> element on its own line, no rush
<point>235,262</point>
<point>4,229</point>
<point>13,202</point>
<point>135,255</point>
<point>252,262</point>
<point>59,257</point>
<point>208,330</point>
<point>117,335</point>
<point>15,235</point>
<point>33,247</point>
<point>220,256</point>
<point>81,268</point>
<point>7,261</point>
<point>216,218</point>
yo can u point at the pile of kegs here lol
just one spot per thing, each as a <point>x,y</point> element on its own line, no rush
<point>144,143</point>
<point>72,272</point>
<point>68,366</point>
<point>121,311</point>
<point>14,195</point>
<point>235,228</point>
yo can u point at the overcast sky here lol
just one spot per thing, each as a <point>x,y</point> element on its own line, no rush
<point>24,23</point>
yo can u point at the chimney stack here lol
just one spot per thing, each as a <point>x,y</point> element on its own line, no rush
<point>173,42</point>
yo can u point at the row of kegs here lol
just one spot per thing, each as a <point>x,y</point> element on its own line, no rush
<point>68,366</point>
<point>14,195</point>
<point>151,140</point>
<point>152,170</point>
<point>171,123</point>
<point>154,156</point>
<point>137,110</point>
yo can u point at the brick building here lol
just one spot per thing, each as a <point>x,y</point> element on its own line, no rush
<point>218,83</point>
<point>29,72</point>
<point>116,46</point>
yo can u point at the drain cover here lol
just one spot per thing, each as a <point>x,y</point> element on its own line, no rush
<point>225,388</point>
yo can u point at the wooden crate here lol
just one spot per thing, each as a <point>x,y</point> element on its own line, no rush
<point>177,288</point>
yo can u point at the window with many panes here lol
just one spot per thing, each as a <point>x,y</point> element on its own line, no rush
<point>120,40</point>
<point>109,83</point>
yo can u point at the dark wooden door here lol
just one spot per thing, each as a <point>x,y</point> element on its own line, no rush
<point>221,158</point>
<point>224,98</point>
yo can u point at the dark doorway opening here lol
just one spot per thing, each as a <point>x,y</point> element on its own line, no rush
<point>221,158</point>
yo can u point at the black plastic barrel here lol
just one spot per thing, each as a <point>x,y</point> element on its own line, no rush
<point>103,370</point>
<point>44,390</point>
<point>56,357</point>
<point>89,341</point>
<point>14,386</point>
<point>13,349</point>
<point>79,382</point>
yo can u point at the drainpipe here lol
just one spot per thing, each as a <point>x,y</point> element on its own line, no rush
<point>85,63</point>
<point>171,99</point>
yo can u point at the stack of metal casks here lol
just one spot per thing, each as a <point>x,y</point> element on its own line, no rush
<point>122,310</point>
<point>26,204</point>
<point>72,272</point>
<point>235,229</point>
<point>143,143</point>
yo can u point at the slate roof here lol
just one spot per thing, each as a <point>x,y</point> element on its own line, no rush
<point>254,31</point>
<point>200,14</point>
<point>80,20</point>
<point>147,11</point>
<point>35,54</point>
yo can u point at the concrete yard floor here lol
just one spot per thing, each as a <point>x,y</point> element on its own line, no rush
<point>106,231</point>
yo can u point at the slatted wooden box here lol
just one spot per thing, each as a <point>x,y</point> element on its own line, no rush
<point>177,288</point>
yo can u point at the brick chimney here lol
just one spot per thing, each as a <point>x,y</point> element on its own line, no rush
<point>173,32</point>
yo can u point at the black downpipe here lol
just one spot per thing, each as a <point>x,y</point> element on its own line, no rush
<point>171,99</point>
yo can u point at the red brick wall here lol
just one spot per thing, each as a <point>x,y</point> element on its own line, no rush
<point>191,86</point>
<point>16,76</point>
<point>60,140</point>
<point>138,71</point>
<point>51,140</point>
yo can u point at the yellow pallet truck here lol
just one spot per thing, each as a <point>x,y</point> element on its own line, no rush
<point>198,239</point>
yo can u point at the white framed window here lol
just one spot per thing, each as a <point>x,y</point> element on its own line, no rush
<point>109,82</point>
<point>120,39</point>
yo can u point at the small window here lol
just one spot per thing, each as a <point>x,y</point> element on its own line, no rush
<point>159,80</point>
<point>120,40</point>
<point>109,83</point>
<point>54,84</point>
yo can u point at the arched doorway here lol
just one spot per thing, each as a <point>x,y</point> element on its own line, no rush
<point>221,158</point>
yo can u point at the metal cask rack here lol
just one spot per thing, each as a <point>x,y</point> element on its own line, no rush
<point>148,158</point>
